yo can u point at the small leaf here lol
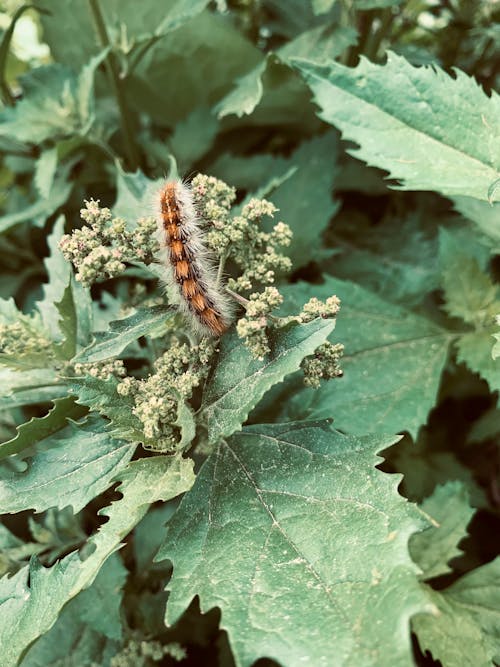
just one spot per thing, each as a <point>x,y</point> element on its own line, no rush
<point>449,507</point>
<point>71,467</point>
<point>240,381</point>
<point>28,611</point>
<point>469,292</point>
<point>45,171</point>
<point>297,538</point>
<point>39,428</point>
<point>102,396</point>
<point>465,629</point>
<point>83,627</point>
<point>111,343</point>
<point>404,120</point>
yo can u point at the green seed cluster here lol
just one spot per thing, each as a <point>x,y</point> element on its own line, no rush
<point>323,364</point>
<point>102,247</point>
<point>156,399</point>
<point>25,338</point>
<point>240,238</point>
<point>252,327</point>
<point>102,370</point>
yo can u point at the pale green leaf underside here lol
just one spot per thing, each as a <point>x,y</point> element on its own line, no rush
<point>428,130</point>
<point>240,381</point>
<point>302,543</point>
<point>29,611</point>
<point>392,363</point>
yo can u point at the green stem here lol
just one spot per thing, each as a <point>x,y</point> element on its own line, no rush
<point>116,83</point>
<point>376,37</point>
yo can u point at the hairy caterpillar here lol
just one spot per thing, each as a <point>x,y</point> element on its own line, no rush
<point>191,277</point>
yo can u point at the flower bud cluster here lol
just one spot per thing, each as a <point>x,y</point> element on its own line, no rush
<point>144,653</point>
<point>102,247</point>
<point>240,238</point>
<point>156,399</point>
<point>323,364</point>
<point>102,370</point>
<point>252,327</point>
<point>25,338</point>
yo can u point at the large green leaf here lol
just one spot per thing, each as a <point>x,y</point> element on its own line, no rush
<point>465,630</point>
<point>404,119</point>
<point>71,467</point>
<point>449,508</point>
<point>392,363</point>
<point>240,381</point>
<point>30,609</point>
<point>111,343</point>
<point>303,545</point>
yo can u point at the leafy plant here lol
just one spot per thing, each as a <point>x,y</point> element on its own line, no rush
<point>319,485</point>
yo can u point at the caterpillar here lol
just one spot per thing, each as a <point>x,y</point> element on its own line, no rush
<point>191,277</point>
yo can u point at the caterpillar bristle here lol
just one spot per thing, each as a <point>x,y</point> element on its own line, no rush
<point>190,275</point>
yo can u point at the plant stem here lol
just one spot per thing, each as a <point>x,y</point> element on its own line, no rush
<point>117,86</point>
<point>374,40</point>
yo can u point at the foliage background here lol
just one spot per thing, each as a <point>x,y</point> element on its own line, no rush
<point>297,540</point>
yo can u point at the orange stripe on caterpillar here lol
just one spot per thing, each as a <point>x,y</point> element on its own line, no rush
<point>190,275</point>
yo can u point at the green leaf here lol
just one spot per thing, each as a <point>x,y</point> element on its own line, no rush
<point>449,507</point>
<point>193,137</point>
<point>404,120</point>
<point>68,324</point>
<point>392,363</point>
<point>40,428</point>
<point>99,605</point>
<point>135,194</point>
<point>43,207</point>
<point>29,611</point>
<point>37,385</point>
<point>465,630</point>
<point>307,195</point>
<point>45,171</point>
<point>71,467</point>
<point>82,629</point>
<point>163,70</point>
<point>56,104</point>
<point>102,396</point>
<point>485,215</point>
<point>395,259</point>
<point>325,552</point>
<point>70,32</point>
<point>111,343</point>
<point>240,381</point>
<point>320,42</point>
<point>469,292</point>
<point>474,349</point>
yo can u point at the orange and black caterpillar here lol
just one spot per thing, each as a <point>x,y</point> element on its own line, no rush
<point>191,277</point>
